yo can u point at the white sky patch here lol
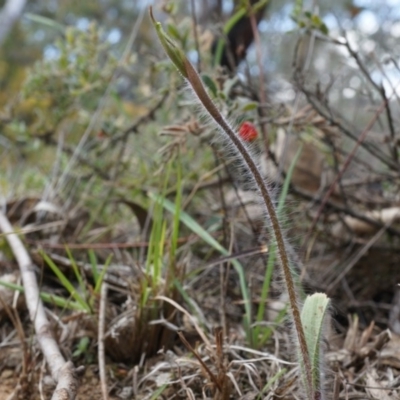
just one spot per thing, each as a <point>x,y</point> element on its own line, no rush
<point>368,46</point>
<point>263,26</point>
<point>393,3</point>
<point>395,30</point>
<point>39,35</point>
<point>354,39</point>
<point>193,56</point>
<point>227,6</point>
<point>390,81</point>
<point>320,62</point>
<point>114,36</point>
<point>51,52</point>
<point>377,77</point>
<point>367,22</point>
<point>355,82</point>
<point>82,24</point>
<point>286,95</point>
<point>331,21</point>
<point>349,93</point>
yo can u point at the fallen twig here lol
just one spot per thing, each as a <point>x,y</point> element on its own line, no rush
<point>101,349</point>
<point>63,372</point>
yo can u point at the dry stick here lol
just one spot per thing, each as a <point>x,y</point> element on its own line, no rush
<point>322,108</point>
<point>357,258</point>
<point>187,70</point>
<point>16,321</point>
<point>346,164</point>
<point>199,359</point>
<point>381,91</point>
<point>190,318</point>
<point>62,372</point>
<point>392,146</point>
<point>101,338</point>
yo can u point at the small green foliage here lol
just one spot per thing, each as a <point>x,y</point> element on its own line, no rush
<point>232,21</point>
<point>196,228</point>
<point>271,382</point>
<point>68,285</point>
<point>249,106</point>
<point>174,32</point>
<point>50,298</point>
<point>99,277</point>
<point>210,84</point>
<point>297,9</point>
<point>158,392</point>
<point>313,320</point>
<point>174,52</point>
<point>93,263</point>
<point>40,19</point>
<point>309,21</point>
<point>82,347</point>
<point>71,82</point>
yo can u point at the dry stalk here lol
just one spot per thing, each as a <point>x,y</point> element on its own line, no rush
<point>101,347</point>
<point>63,372</point>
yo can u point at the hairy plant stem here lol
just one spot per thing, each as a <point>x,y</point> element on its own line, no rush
<point>198,87</point>
<point>188,71</point>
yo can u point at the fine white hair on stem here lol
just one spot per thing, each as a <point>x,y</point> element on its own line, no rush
<point>243,154</point>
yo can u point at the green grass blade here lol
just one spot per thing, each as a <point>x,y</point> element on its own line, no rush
<point>267,332</point>
<point>66,283</point>
<point>158,392</point>
<point>45,22</point>
<point>286,184</point>
<point>159,254</point>
<point>232,21</point>
<point>271,382</point>
<point>93,263</point>
<point>185,296</point>
<point>48,298</point>
<point>272,257</point>
<point>187,220</point>
<point>77,272</point>
<point>227,28</point>
<point>176,221</point>
<point>100,278</point>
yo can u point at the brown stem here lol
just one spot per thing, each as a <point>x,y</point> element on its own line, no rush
<point>212,110</point>
<point>187,70</point>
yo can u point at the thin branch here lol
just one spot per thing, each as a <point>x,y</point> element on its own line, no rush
<point>347,162</point>
<point>63,373</point>
<point>356,258</point>
<point>343,125</point>
<point>101,348</point>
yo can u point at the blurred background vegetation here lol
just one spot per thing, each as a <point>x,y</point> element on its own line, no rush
<point>95,123</point>
<point>86,92</point>
<point>36,60</point>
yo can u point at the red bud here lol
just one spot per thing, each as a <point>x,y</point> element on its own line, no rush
<point>248,132</point>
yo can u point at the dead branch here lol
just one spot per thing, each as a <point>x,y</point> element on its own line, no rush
<point>63,373</point>
<point>101,347</point>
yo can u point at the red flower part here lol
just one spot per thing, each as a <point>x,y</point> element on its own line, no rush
<point>101,135</point>
<point>248,132</point>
